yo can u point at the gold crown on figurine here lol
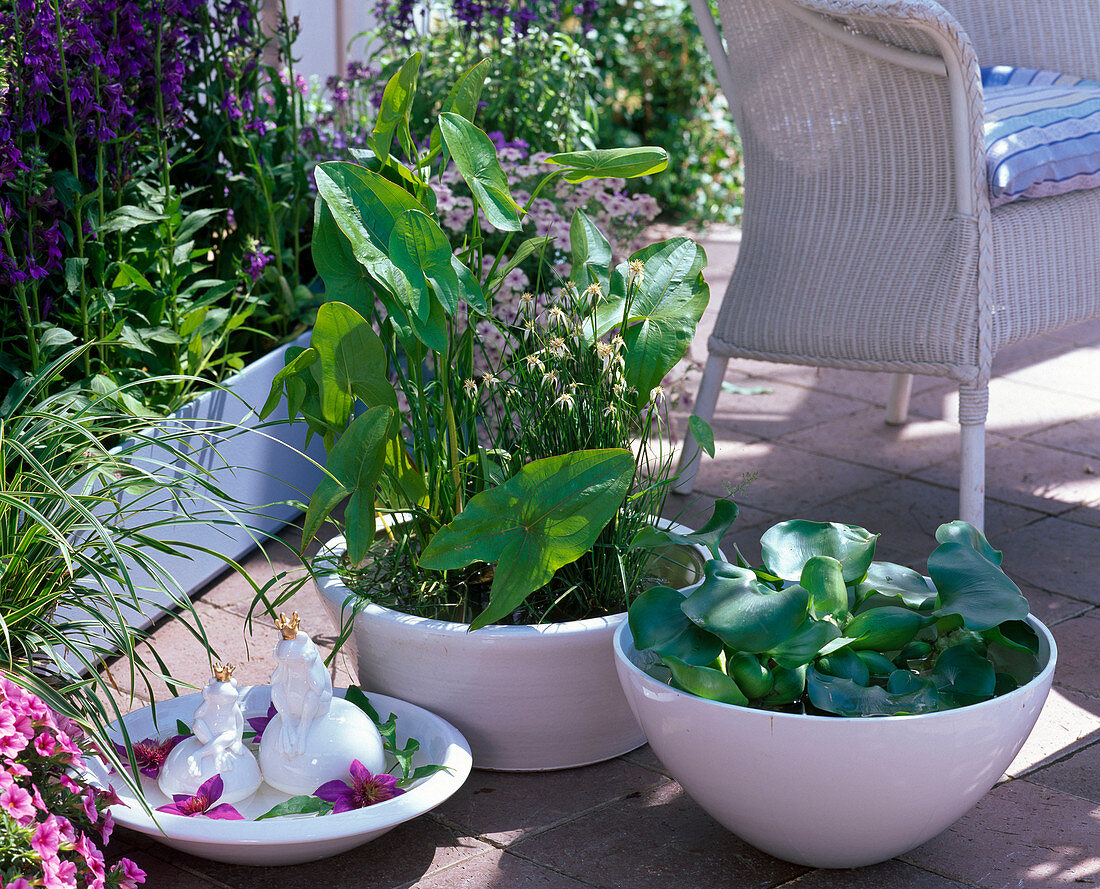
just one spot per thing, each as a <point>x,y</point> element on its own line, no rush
<point>289,627</point>
<point>224,674</point>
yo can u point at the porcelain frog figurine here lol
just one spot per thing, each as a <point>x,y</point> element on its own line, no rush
<point>216,747</point>
<point>313,737</point>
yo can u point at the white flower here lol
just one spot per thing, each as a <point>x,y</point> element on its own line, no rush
<point>471,388</point>
<point>535,363</point>
<point>566,401</point>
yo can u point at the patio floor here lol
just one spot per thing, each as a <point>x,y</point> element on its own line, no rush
<point>818,448</point>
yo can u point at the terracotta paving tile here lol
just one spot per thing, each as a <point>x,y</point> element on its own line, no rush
<point>1054,555</point>
<point>656,839</point>
<point>1077,775</point>
<point>888,875</point>
<point>1052,609</point>
<point>1073,371</point>
<point>1015,409</point>
<point>229,640</point>
<point>788,482</point>
<point>1080,436</point>
<point>406,855</point>
<point>1027,474</point>
<point>159,874</point>
<point>782,410</point>
<point>1020,835</point>
<point>1079,654</point>
<point>503,806</point>
<point>497,869</point>
<point>1084,515</point>
<point>1028,353</point>
<point>903,449</point>
<point>1068,722</point>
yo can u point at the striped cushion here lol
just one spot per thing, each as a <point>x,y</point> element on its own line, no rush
<point>1042,133</point>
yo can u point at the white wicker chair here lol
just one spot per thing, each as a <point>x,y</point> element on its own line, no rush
<point>868,241</point>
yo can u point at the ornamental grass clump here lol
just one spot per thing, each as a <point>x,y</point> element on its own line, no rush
<point>495,445</point>
<point>51,818</point>
<point>822,628</point>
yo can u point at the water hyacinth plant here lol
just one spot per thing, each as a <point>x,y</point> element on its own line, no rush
<point>822,627</point>
<point>392,379</point>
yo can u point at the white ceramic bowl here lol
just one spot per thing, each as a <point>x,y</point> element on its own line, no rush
<point>831,791</point>
<point>291,839</point>
<point>528,698</point>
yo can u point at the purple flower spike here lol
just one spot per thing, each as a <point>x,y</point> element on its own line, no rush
<point>365,790</point>
<point>150,754</point>
<point>259,723</point>
<point>202,803</point>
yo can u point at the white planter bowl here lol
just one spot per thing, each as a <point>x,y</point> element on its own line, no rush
<point>831,791</point>
<point>527,698</point>
<point>291,839</point>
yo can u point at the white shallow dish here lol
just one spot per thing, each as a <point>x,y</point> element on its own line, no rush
<point>297,838</point>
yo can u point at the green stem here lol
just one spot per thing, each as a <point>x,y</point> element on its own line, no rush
<point>28,322</point>
<point>78,228</point>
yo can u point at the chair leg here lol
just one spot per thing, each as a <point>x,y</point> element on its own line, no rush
<point>973,408</point>
<point>897,405</point>
<point>706,400</point>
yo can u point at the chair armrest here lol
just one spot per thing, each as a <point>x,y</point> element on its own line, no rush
<point>922,35</point>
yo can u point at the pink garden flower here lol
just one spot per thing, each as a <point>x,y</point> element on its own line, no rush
<point>18,803</point>
<point>365,789</point>
<point>202,803</point>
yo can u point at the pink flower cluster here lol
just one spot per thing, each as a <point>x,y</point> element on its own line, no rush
<point>48,813</point>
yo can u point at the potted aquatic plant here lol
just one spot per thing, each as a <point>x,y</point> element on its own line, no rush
<point>495,468</point>
<point>831,709</point>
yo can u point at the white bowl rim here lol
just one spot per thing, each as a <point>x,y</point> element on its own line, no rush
<point>331,584</point>
<point>428,793</point>
<point>1044,676</point>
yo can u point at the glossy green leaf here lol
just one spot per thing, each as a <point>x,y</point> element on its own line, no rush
<point>1016,634</point>
<point>709,536</point>
<point>1022,666</point>
<point>744,613</point>
<point>353,363</point>
<point>353,469</point>
<point>297,805</point>
<point>751,676</point>
<point>546,516</point>
<point>846,664</point>
<point>973,588</point>
<point>706,682</point>
<point>843,697</point>
<point>963,676</point>
<point>430,332</point>
<point>823,577</point>
<point>658,623</point>
<point>397,100</point>
<point>896,581</point>
<point>591,260</point>
<point>346,279</point>
<point>805,643</point>
<point>475,156</point>
<point>525,250</point>
<point>297,361</point>
<point>787,547</point>
<point>702,433</point>
<point>421,249</point>
<point>611,163</point>
<point>364,206</point>
<point>787,686</point>
<point>885,629</point>
<point>463,100</point>
<point>657,321</point>
<point>963,532</point>
<point>878,665</point>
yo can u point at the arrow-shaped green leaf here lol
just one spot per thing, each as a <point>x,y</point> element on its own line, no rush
<point>475,156</point>
<point>547,515</point>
